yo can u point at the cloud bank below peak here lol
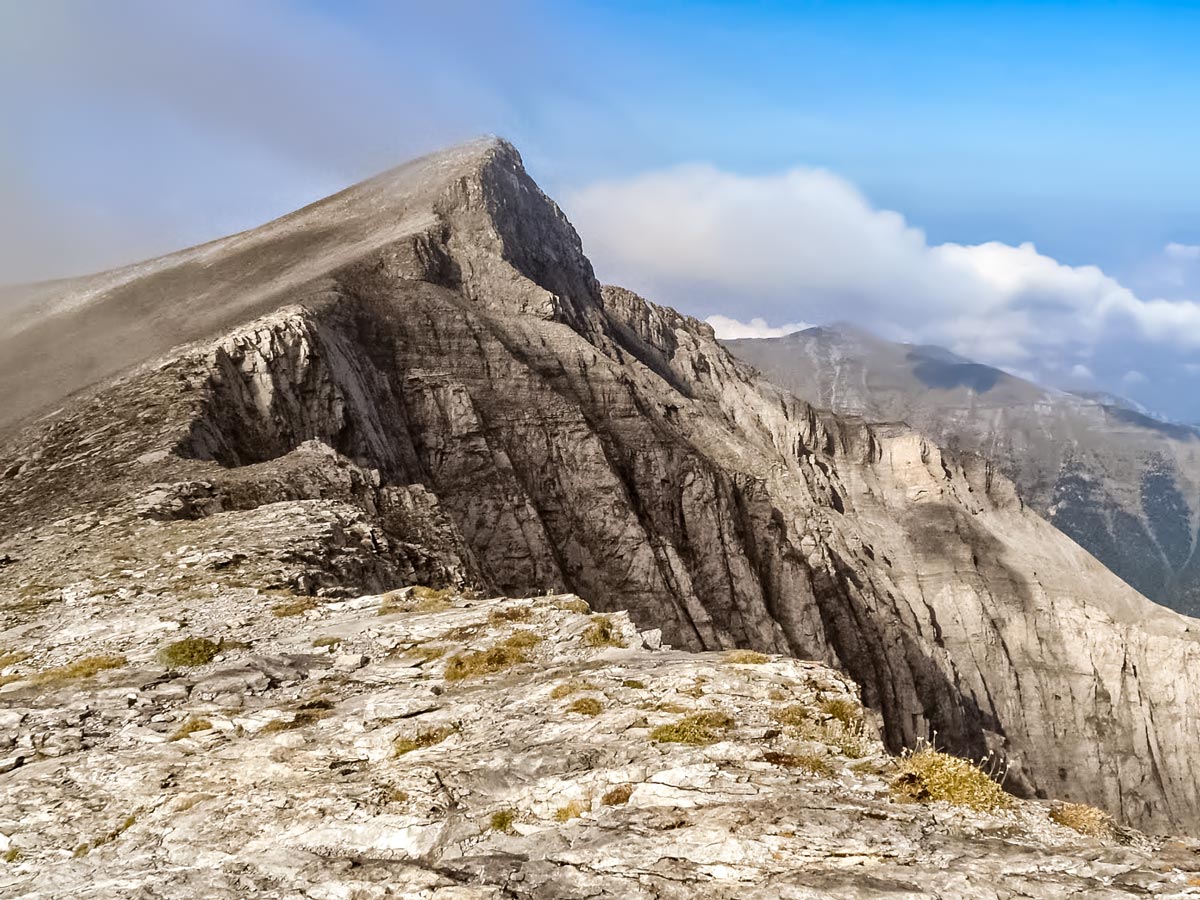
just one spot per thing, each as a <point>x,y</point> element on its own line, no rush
<point>807,244</point>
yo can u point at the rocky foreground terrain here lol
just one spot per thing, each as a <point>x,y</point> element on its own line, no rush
<point>1124,485</point>
<point>419,382</point>
<point>426,744</point>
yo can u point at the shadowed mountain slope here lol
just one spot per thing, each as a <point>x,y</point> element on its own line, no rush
<point>420,380</point>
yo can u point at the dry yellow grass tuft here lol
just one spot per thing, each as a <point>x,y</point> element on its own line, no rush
<point>1085,819</point>
<point>586,706</point>
<point>191,651</point>
<point>327,642</point>
<point>422,739</point>
<point>698,728</point>
<point>508,653</point>
<point>12,657</point>
<point>572,810</point>
<point>602,633</point>
<point>927,775</point>
<point>617,796</point>
<point>191,725</point>
<point>567,688</point>
<point>746,658</point>
<point>845,711</point>
<point>510,614</point>
<point>793,716</point>
<point>87,667</point>
<point>573,604</point>
<point>502,820</point>
<point>300,719</point>
<point>416,599</point>
<point>297,607</point>
<point>807,762</point>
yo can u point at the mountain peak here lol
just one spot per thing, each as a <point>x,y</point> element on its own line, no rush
<point>468,217</point>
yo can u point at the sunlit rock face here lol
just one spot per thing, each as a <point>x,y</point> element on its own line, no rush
<point>1124,485</point>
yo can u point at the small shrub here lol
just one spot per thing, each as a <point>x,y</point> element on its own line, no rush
<point>327,642</point>
<point>746,658</point>
<point>87,667</point>
<point>12,855</point>
<point>297,607</point>
<point>602,633</point>
<point>505,655</point>
<point>845,711</point>
<point>191,651</point>
<point>927,775</point>
<point>567,688</point>
<point>502,820</point>
<point>634,684</point>
<point>421,740</point>
<point>572,810</point>
<point>191,725</point>
<point>1085,819</point>
<point>510,614</point>
<point>618,796</point>
<point>699,728</point>
<point>808,762</point>
<point>586,706</point>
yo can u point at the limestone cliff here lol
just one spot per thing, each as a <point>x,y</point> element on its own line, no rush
<point>491,416</point>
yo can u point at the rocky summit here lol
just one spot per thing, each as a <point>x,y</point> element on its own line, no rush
<point>217,468</point>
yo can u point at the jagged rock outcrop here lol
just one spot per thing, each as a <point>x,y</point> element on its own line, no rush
<point>336,750</point>
<point>1124,485</point>
<point>440,327</point>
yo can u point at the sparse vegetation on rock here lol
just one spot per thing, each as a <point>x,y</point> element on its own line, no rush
<point>746,658</point>
<point>602,633</point>
<point>189,652</point>
<point>1085,819</point>
<point>427,737</point>
<point>927,776</point>
<point>698,728</point>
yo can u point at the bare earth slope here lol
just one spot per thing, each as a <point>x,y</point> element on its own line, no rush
<point>1124,485</point>
<point>420,381</point>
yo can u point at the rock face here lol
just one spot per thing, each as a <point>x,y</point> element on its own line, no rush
<point>420,381</point>
<point>336,752</point>
<point>1124,485</point>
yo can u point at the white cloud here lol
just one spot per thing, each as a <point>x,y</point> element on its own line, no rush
<point>1133,378</point>
<point>731,329</point>
<point>1182,251</point>
<point>1082,372</point>
<point>808,243</point>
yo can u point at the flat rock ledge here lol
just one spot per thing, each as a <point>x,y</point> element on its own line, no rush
<point>420,744</point>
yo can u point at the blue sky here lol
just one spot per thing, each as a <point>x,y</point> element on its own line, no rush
<point>134,128</point>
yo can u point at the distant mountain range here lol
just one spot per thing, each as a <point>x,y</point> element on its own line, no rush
<point>1123,484</point>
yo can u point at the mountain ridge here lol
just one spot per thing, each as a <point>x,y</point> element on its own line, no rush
<point>466,405</point>
<point>1124,485</point>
